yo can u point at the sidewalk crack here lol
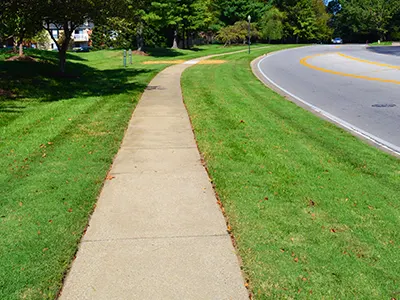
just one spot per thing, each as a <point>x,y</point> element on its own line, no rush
<point>158,238</point>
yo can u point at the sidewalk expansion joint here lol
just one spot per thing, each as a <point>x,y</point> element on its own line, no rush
<point>158,238</point>
<point>161,147</point>
<point>138,171</point>
<point>176,116</point>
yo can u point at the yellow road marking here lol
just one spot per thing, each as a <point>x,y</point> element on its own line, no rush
<point>368,61</point>
<point>304,62</point>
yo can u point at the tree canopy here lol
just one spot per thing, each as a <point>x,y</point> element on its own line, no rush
<point>361,20</point>
<point>179,23</point>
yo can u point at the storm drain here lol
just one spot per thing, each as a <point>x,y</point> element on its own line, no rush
<point>154,87</point>
<point>383,105</point>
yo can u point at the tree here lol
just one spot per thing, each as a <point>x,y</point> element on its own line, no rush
<point>324,32</point>
<point>306,20</point>
<point>163,14</point>
<point>302,23</point>
<point>135,14</point>
<point>67,15</point>
<point>394,28</point>
<point>272,24</point>
<point>237,33</point>
<point>333,7</point>
<point>232,11</point>
<point>117,33</point>
<point>4,13</point>
<point>178,19</point>
<point>41,39</point>
<point>20,20</point>
<point>360,20</point>
<point>206,19</point>
<point>227,35</point>
<point>382,12</point>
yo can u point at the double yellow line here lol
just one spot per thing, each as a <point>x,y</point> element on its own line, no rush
<point>304,62</point>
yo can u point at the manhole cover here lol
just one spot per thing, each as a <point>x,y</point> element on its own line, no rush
<point>154,87</point>
<point>383,105</point>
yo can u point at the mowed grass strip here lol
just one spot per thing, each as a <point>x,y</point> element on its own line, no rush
<point>58,136</point>
<point>315,211</point>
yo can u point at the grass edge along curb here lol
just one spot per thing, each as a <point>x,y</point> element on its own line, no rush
<point>313,209</point>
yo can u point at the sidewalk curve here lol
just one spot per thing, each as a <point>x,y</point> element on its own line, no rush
<point>157,231</point>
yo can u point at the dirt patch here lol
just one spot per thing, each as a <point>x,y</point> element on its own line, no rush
<point>212,62</point>
<point>22,58</point>
<point>141,53</point>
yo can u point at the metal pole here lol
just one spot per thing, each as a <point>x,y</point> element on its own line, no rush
<point>130,56</point>
<point>124,58</point>
<point>249,18</point>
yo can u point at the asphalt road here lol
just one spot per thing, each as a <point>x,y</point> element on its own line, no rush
<point>358,88</point>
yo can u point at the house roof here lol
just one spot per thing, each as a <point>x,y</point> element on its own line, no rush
<point>86,25</point>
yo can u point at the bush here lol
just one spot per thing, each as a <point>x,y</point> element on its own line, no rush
<point>237,33</point>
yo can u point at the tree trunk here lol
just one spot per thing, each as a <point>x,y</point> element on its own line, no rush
<point>14,45</point>
<point>21,49</point>
<point>191,40</point>
<point>188,40</point>
<point>62,49</point>
<point>139,37</point>
<point>62,54</point>
<point>184,37</point>
<point>20,41</point>
<point>175,43</point>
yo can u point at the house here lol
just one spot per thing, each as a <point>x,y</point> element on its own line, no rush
<point>80,37</point>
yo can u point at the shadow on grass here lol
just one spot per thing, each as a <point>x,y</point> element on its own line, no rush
<point>11,108</point>
<point>49,56</point>
<point>40,81</point>
<point>164,52</point>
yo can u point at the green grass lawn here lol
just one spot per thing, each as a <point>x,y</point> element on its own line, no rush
<point>315,211</point>
<point>58,136</point>
<point>381,44</point>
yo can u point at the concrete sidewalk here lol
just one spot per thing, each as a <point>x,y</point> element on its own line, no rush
<point>157,231</point>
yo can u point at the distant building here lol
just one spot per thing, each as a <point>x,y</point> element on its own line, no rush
<point>80,37</point>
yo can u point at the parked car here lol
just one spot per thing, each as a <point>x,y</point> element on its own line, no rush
<point>337,41</point>
<point>81,49</point>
